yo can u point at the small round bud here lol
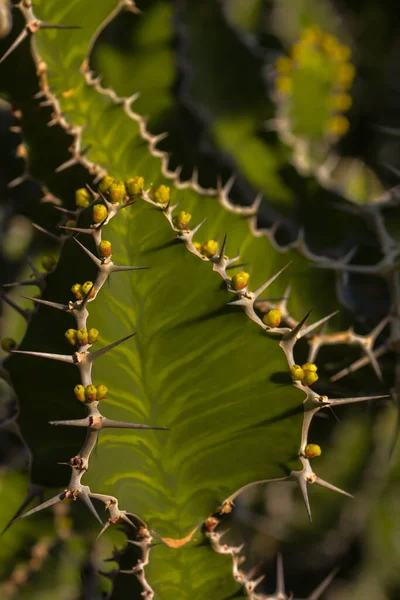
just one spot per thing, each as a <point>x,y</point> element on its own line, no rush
<point>86,287</point>
<point>82,198</point>
<point>210,248</point>
<point>309,378</point>
<point>82,337</point>
<point>105,249</point>
<point>284,64</point>
<point>101,391</point>
<point>182,220</point>
<point>197,245</point>
<point>100,212</point>
<point>80,393</point>
<point>309,367</point>
<point>312,450</point>
<point>105,184</point>
<point>273,318</point>
<point>70,334</point>
<point>48,263</point>
<point>284,85</point>
<point>134,186</point>
<point>77,291</point>
<point>240,280</point>
<point>93,335</point>
<point>338,125</point>
<point>296,373</point>
<point>70,223</point>
<point>162,194</point>
<point>117,192</point>
<point>90,393</point>
<point>8,344</point>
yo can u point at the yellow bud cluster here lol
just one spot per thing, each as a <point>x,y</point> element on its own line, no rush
<point>82,337</point>
<point>306,374</point>
<point>90,393</point>
<point>315,50</point>
<point>80,291</point>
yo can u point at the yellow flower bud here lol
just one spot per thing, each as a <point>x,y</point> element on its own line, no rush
<point>296,373</point>
<point>197,245</point>
<point>80,392</point>
<point>309,378</point>
<point>210,248</point>
<point>283,64</point>
<point>82,198</point>
<point>105,183</point>
<point>82,337</point>
<point>134,186</point>
<point>312,450</point>
<point>117,192</point>
<point>105,249</point>
<point>86,287</point>
<point>90,393</point>
<point>273,318</point>
<point>93,335</point>
<point>341,102</point>
<point>48,263</point>
<point>345,74</point>
<point>182,220</point>
<point>162,194</point>
<point>338,125</point>
<point>70,335</point>
<point>309,367</point>
<point>284,85</point>
<point>100,213</point>
<point>77,291</point>
<point>240,280</point>
<point>101,392</point>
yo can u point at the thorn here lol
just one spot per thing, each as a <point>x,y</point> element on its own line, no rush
<point>77,229</point>
<point>72,423</point>
<point>67,164</point>
<point>353,400</point>
<point>117,268</point>
<point>92,256</point>
<point>195,229</point>
<point>222,252</point>
<point>109,423</point>
<point>304,490</point>
<point>316,594</point>
<point>67,358</point>
<point>261,289</point>
<point>313,326</point>
<point>329,486</point>
<point>37,282</point>
<point>106,526</point>
<point>44,25</point>
<point>83,496</point>
<point>92,356</point>
<point>48,233</point>
<point>47,303</point>
<point>280,579</point>
<point>15,44</point>
<point>42,506</point>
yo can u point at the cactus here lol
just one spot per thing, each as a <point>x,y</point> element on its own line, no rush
<point>188,344</point>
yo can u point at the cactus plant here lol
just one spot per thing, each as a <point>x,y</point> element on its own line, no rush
<point>191,345</point>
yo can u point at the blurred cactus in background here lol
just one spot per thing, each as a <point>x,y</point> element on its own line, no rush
<point>206,191</point>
